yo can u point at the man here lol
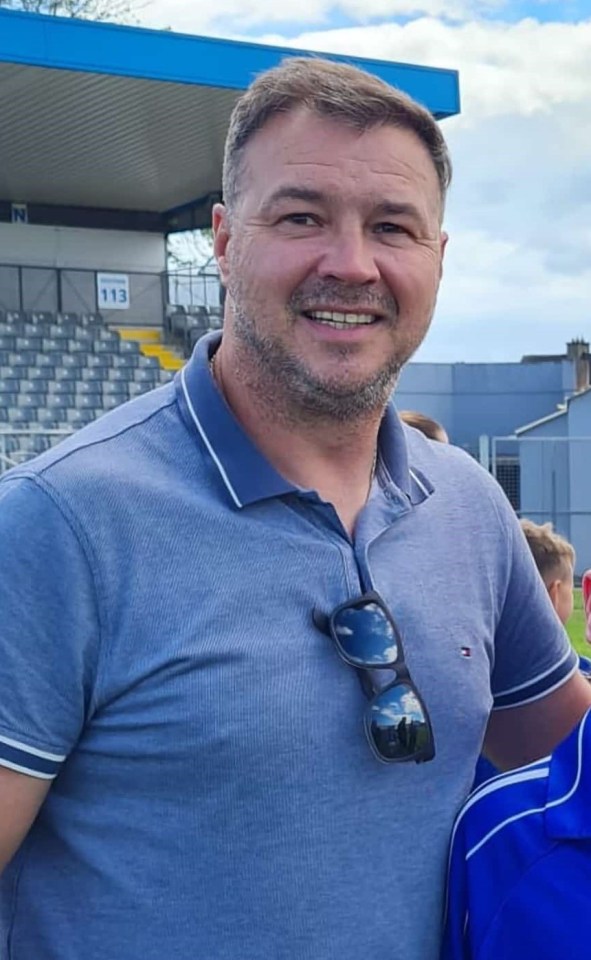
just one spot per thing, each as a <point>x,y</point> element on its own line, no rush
<point>183,581</point>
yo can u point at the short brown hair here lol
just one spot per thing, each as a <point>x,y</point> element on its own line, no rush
<point>550,551</point>
<point>339,91</point>
<point>427,425</point>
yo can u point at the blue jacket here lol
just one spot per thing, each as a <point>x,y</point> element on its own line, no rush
<point>520,864</point>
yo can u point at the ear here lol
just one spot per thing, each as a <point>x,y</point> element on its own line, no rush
<point>553,587</point>
<point>221,238</point>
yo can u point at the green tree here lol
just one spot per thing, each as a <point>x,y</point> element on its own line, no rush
<point>120,11</point>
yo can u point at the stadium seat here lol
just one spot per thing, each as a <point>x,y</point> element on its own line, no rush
<point>129,346</point>
<point>67,373</point>
<point>84,335</point>
<point>76,346</point>
<point>116,388</point>
<point>110,403</point>
<point>107,336</point>
<point>67,318</point>
<point>120,374</point>
<point>15,317</point>
<point>58,413</point>
<point>18,416</point>
<point>7,341</point>
<point>61,331</point>
<point>33,387</point>
<point>102,361</point>
<point>46,419</point>
<point>8,330</point>
<point>32,444</point>
<point>128,360</point>
<point>149,363</point>
<point>73,360</point>
<point>29,343</point>
<point>30,404</point>
<point>10,372</point>
<point>8,398</point>
<point>136,389</point>
<point>106,347</point>
<point>53,358</point>
<point>91,320</point>
<point>91,374</point>
<point>56,401</point>
<point>146,376</point>
<point>79,418</point>
<point>85,403</point>
<point>88,388</point>
<point>44,372</point>
<point>51,345</point>
<point>41,317</point>
<point>62,388</point>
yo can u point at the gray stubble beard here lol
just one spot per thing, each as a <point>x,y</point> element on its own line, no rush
<point>290,391</point>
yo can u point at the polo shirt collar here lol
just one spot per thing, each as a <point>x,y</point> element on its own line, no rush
<point>246,473</point>
<point>568,807</point>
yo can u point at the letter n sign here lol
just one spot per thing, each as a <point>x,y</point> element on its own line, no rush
<point>19,213</point>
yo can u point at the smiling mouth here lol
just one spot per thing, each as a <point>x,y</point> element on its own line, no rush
<point>341,321</point>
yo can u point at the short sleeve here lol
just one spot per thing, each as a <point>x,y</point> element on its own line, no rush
<point>49,630</point>
<point>533,655</point>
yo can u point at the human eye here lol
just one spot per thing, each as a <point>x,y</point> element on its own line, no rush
<point>390,227</point>
<point>300,219</point>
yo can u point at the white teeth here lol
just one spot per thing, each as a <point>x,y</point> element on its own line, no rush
<point>341,320</point>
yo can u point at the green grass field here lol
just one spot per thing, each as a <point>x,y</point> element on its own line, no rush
<point>576,627</point>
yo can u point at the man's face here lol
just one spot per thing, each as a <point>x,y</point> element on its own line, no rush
<point>331,258</point>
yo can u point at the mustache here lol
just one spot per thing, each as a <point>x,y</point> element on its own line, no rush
<point>346,295</point>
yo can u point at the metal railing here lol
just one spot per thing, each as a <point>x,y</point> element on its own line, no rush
<point>17,446</point>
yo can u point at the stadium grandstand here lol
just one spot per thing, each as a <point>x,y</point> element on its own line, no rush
<point>112,139</point>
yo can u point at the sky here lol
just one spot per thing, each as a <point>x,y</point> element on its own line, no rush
<point>517,272</point>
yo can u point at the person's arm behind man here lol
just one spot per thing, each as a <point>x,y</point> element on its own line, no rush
<point>539,694</point>
<point>21,798</point>
<point>48,650</point>
<point>525,733</point>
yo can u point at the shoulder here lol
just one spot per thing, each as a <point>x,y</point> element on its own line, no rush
<point>502,808</point>
<point>123,448</point>
<point>444,462</point>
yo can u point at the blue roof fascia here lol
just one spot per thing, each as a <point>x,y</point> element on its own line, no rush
<point>107,48</point>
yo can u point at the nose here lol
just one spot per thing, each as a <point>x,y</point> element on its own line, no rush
<point>348,257</point>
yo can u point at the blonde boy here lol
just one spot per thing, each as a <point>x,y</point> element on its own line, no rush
<point>555,559</point>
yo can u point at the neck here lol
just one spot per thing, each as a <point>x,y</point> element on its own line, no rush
<point>336,459</point>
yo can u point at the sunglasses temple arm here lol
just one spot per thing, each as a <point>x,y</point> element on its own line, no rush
<point>366,683</point>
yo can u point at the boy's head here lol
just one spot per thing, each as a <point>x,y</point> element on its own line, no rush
<point>420,421</point>
<point>555,559</point>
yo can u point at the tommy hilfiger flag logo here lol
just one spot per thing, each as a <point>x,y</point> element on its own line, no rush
<point>466,651</point>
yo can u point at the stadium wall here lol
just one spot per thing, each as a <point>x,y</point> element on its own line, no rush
<point>55,269</point>
<point>472,399</point>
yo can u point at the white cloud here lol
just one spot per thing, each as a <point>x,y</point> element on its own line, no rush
<point>190,17</point>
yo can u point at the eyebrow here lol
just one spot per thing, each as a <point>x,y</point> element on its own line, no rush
<point>391,209</point>
<point>306,194</point>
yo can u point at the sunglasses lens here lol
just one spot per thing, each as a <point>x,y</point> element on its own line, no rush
<point>397,726</point>
<point>365,635</point>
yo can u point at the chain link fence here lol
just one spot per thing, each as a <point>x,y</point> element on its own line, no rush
<point>547,480</point>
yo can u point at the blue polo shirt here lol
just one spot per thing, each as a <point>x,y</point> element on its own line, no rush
<point>213,793</point>
<point>520,866</point>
